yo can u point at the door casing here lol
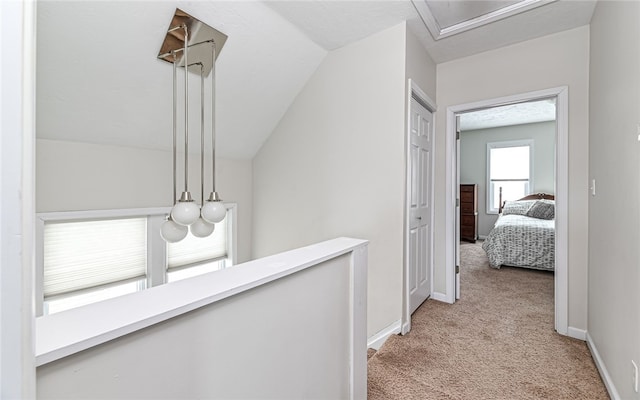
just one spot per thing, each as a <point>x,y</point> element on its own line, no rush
<point>561,94</point>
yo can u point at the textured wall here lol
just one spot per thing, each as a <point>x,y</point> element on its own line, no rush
<point>614,216</point>
<point>334,166</point>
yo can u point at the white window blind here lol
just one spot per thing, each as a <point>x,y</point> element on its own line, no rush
<point>86,254</point>
<point>510,163</point>
<point>192,250</point>
<point>509,170</point>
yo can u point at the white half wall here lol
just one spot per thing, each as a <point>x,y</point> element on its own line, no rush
<point>334,166</point>
<point>73,176</point>
<point>614,216</point>
<point>556,60</point>
<point>290,326</point>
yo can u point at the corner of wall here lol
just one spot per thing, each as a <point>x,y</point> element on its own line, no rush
<point>602,368</point>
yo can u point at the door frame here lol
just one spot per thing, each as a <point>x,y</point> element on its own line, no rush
<point>430,105</point>
<point>561,282</point>
<point>17,208</point>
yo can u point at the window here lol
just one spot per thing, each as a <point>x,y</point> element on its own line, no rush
<point>194,256</point>
<point>509,169</point>
<point>89,256</point>
<point>88,261</point>
<point>192,250</point>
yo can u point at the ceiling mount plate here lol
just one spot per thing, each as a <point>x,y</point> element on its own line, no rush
<point>199,44</point>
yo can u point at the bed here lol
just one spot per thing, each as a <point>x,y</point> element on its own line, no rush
<point>524,235</point>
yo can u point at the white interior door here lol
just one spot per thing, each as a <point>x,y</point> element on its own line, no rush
<point>420,207</point>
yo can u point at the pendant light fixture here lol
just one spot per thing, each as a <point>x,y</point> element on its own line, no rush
<point>193,39</point>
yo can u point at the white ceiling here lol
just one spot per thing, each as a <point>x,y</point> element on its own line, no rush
<point>98,79</point>
<point>512,114</point>
<point>335,23</point>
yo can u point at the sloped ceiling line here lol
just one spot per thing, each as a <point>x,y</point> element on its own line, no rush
<point>106,86</point>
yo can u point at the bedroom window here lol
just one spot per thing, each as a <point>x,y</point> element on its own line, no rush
<point>89,256</point>
<point>509,168</point>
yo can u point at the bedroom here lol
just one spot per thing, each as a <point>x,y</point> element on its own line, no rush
<point>506,153</point>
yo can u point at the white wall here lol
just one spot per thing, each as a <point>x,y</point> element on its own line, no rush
<point>614,215</point>
<point>551,61</point>
<point>334,166</point>
<point>72,176</point>
<point>473,161</point>
<point>419,66</point>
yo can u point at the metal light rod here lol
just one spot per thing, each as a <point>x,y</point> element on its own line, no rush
<point>175,134</point>
<point>201,134</point>
<point>186,109</point>
<point>213,119</point>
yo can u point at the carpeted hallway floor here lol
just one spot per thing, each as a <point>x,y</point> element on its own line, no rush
<point>497,342</point>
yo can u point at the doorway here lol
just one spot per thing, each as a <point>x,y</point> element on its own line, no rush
<point>505,153</point>
<point>452,255</point>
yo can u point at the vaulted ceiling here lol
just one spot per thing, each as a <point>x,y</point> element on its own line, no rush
<point>335,23</point>
<point>98,79</point>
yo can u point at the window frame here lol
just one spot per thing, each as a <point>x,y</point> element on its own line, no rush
<point>500,145</point>
<point>157,255</point>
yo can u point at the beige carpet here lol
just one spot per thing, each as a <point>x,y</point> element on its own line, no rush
<point>497,342</point>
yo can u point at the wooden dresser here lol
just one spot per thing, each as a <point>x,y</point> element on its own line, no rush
<point>469,212</point>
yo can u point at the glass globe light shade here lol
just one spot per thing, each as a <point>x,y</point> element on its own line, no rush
<point>202,228</point>
<point>172,232</point>
<point>185,212</point>
<point>213,211</point>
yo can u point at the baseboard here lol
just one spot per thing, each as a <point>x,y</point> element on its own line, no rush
<point>440,297</point>
<point>577,333</point>
<point>376,341</point>
<point>406,327</point>
<point>482,237</point>
<point>602,369</point>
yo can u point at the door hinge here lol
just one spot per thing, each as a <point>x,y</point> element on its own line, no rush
<point>457,202</point>
<point>457,269</point>
<point>458,135</point>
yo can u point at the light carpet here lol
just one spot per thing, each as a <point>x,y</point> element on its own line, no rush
<point>497,342</point>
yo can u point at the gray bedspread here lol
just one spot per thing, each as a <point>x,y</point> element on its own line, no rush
<point>521,241</point>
